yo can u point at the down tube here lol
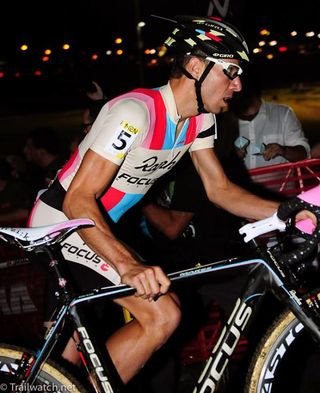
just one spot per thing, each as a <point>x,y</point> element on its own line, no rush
<point>235,326</point>
<point>100,366</point>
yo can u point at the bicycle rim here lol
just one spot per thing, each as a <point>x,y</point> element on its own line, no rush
<point>52,377</point>
<point>286,360</point>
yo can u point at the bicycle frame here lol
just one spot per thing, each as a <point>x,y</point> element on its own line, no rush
<point>262,277</point>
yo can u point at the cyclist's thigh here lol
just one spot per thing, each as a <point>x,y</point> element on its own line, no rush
<point>87,270</point>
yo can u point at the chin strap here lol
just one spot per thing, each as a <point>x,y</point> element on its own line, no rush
<point>197,84</point>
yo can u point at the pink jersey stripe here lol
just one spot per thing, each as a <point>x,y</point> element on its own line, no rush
<point>157,112</point>
<point>32,213</point>
<point>192,131</point>
<point>69,167</point>
<point>156,140</point>
<point>141,95</point>
<point>111,198</point>
<point>132,94</point>
<point>159,132</point>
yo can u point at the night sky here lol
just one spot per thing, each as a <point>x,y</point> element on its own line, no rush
<point>93,22</point>
<point>92,25</point>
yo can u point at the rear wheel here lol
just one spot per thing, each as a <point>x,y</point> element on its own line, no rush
<point>286,360</point>
<point>52,377</point>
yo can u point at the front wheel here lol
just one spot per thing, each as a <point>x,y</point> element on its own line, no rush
<point>51,378</point>
<point>286,360</point>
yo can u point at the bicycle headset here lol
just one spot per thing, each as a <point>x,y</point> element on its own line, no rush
<point>204,37</point>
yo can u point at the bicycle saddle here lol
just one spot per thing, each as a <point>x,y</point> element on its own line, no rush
<point>49,234</point>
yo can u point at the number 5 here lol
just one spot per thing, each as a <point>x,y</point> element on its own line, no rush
<point>122,139</point>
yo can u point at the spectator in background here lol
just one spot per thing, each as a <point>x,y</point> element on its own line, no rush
<point>18,165</point>
<point>43,149</point>
<point>94,91</point>
<point>95,99</point>
<point>15,198</point>
<point>266,133</point>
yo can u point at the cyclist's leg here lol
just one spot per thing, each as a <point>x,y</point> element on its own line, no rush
<point>154,322</point>
<point>133,344</point>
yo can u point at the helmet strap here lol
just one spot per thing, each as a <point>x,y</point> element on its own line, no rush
<point>198,84</point>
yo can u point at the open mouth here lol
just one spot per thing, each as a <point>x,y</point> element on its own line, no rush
<point>227,100</point>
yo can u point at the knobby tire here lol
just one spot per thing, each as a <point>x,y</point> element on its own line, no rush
<point>52,377</point>
<point>286,360</point>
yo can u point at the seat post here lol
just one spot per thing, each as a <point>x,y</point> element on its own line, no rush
<point>55,256</point>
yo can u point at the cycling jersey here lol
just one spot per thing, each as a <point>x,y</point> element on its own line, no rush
<point>136,131</point>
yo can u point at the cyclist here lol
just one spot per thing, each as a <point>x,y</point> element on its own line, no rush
<point>135,139</point>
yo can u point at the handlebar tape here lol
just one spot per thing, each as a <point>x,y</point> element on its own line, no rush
<point>285,210</point>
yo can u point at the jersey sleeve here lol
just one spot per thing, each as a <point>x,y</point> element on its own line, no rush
<point>205,138</point>
<point>118,128</point>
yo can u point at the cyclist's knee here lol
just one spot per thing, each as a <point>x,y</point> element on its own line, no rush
<point>161,323</point>
<point>157,320</point>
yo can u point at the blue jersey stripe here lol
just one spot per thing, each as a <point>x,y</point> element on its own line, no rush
<point>125,204</point>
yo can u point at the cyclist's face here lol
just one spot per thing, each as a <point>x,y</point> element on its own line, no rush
<point>217,89</point>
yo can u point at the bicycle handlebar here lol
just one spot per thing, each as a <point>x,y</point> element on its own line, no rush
<point>290,208</point>
<point>310,201</point>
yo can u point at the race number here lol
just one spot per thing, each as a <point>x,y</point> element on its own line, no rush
<point>122,139</point>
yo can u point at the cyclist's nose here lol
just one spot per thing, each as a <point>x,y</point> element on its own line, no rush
<point>236,84</point>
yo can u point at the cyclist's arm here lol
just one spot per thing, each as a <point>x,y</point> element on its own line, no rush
<point>91,180</point>
<point>226,194</point>
<point>170,222</point>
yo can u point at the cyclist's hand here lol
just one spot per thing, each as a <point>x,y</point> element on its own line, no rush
<point>304,215</point>
<point>149,281</point>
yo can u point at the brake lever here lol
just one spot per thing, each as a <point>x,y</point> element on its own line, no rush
<point>252,230</point>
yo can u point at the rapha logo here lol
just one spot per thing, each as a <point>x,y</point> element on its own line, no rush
<point>215,5</point>
<point>151,164</point>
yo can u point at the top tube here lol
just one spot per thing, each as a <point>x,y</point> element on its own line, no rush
<point>116,291</point>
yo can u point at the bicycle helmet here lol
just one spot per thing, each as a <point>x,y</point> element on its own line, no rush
<point>206,37</point>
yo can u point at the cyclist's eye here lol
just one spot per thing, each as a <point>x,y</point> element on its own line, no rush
<point>232,72</point>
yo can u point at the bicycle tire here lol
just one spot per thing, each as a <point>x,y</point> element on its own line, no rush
<point>285,360</point>
<point>51,378</point>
